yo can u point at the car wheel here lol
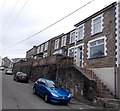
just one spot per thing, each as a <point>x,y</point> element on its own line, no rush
<point>34,90</point>
<point>66,104</point>
<point>46,98</point>
<point>27,81</point>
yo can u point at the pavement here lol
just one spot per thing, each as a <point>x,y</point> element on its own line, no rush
<point>80,105</point>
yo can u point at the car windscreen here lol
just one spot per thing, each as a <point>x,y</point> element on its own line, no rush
<point>22,74</point>
<point>53,84</point>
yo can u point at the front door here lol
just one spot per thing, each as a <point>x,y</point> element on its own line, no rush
<point>79,57</point>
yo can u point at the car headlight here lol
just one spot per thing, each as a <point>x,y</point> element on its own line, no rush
<point>69,95</point>
<point>54,95</point>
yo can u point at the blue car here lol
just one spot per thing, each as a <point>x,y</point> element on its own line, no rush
<point>51,91</point>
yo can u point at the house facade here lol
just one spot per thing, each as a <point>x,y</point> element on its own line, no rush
<point>94,44</point>
<point>56,45</point>
<point>6,62</point>
<point>59,45</point>
<point>30,53</point>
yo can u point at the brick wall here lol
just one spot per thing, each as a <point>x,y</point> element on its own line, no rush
<point>109,33</point>
<point>75,82</point>
<point>23,66</point>
<point>42,67</point>
<point>45,71</point>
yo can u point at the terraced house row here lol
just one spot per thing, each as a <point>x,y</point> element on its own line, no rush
<point>94,44</point>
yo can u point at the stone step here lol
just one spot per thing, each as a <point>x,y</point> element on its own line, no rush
<point>111,105</point>
<point>102,90</point>
<point>105,96</point>
<point>117,101</point>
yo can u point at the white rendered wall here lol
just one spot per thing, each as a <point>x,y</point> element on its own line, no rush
<point>107,77</point>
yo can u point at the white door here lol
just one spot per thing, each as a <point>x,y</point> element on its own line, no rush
<point>79,56</point>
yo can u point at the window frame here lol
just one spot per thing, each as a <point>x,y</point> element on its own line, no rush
<point>79,37</point>
<point>46,46</point>
<point>72,52</point>
<point>71,37</point>
<point>105,48</point>
<point>56,45</point>
<point>38,49</point>
<point>93,21</point>
<point>63,41</point>
<point>42,48</point>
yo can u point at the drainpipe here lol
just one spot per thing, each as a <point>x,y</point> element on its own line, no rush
<point>115,73</point>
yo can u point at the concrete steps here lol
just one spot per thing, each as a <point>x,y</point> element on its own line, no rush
<point>111,103</point>
<point>102,90</point>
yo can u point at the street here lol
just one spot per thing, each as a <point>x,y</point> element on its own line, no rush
<point>16,95</point>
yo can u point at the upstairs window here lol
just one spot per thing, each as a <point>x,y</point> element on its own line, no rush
<point>38,49</point>
<point>97,25</point>
<point>97,48</point>
<point>72,37</point>
<point>56,46</point>
<point>46,46</point>
<point>80,32</point>
<point>41,48</point>
<point>63,41</point>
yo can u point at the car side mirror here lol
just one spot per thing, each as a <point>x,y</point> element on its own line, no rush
<point>38,82</point>
<point>43,84</point>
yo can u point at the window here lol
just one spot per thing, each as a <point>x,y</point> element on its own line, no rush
<point>58,52</point>
<point>97,25</point>
<point>56,46</point>
<point>42,82</point>
<point>81,54</point>
<point>80,32</point>
<point>45,55</point>
<point>38,49</point>
<point>71,52</point>
<point>72,37</point>
<point>97,48</point>
<point>46,46</point>
<point>41,48</point>
<point>35,57</point>
<point>63,42</point>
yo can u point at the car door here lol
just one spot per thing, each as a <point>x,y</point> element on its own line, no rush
<point>43,87</point>
<point>37,86</point>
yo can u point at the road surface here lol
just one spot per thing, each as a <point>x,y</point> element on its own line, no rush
<point>16,95</point>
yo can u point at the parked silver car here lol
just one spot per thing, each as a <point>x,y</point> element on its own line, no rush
<point>9,71</point>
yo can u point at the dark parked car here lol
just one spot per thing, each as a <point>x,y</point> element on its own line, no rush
<point>51,91</point>
<point>20,76</point>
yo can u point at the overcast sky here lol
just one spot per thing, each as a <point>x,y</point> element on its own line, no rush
<point>20,19</point>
